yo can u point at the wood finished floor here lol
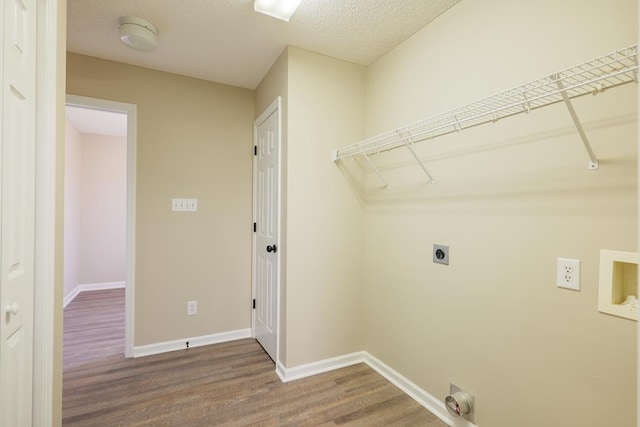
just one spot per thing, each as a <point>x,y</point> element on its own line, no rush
<point>94,327</point>
<point>230,384</point>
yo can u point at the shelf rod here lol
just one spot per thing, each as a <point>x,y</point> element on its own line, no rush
<point>386,184</point>
<point>408,141</point>
<point>593,164</point>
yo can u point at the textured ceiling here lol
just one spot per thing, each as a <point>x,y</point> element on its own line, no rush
<point>226,41</point>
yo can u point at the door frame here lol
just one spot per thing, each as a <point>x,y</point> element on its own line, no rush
<point>274,107</point>
<point>130,110</point>
<point>50,77</point>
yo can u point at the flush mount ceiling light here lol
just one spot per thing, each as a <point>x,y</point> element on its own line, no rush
<point>280,9</point>
<point>138,34</point>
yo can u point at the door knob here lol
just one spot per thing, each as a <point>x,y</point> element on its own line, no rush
<point>272,248</point>
<point>11,308</point>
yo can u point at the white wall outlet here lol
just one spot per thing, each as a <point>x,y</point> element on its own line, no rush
<point>192,308</point>
<point>568,274</point>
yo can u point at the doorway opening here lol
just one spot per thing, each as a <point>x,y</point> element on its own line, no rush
<point>99,216</point>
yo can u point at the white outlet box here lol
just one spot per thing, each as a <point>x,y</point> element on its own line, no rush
<point>568,274</point>
<point>192,308</point>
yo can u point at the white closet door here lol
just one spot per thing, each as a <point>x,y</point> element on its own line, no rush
<point>17,180</point>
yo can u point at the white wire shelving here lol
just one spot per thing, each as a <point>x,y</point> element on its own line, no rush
<point>591,77</point>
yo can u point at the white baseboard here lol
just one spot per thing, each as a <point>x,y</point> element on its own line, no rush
<point>91,287</point>
<point>163,347</point>
<point>280,371</point>
<point>431,403</point>
<point>315,368</point>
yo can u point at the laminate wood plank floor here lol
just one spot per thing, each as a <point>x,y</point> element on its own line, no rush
<point>93,326</point>
<point>229,384</point>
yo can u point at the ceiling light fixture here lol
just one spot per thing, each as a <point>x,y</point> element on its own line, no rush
<point>138,34</point>
<point>280,9</point>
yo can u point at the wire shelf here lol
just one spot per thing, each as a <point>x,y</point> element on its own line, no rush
<point>592,77</point>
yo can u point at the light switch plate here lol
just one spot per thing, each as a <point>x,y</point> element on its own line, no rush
<point>184,205</point>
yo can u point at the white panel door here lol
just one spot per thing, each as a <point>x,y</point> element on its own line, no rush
<point>17,160</point>
<point>266,243</point>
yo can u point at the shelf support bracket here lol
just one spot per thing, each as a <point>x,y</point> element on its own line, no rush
<point>456,126</point>
<point>386,184</point>
<point>407,142</point>
<point>593,161</point>
<point>526,106</point>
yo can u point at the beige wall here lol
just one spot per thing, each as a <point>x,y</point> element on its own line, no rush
<point>322,279</point>
<point>275,83</point>
<point>72,200</point>
<point>103,209</point>
<point>194,141</point>
<point>510,199</point>
<point>325,262</point>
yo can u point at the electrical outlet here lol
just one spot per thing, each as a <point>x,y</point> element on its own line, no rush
<point>568,274</point>
<point>192,308</point>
